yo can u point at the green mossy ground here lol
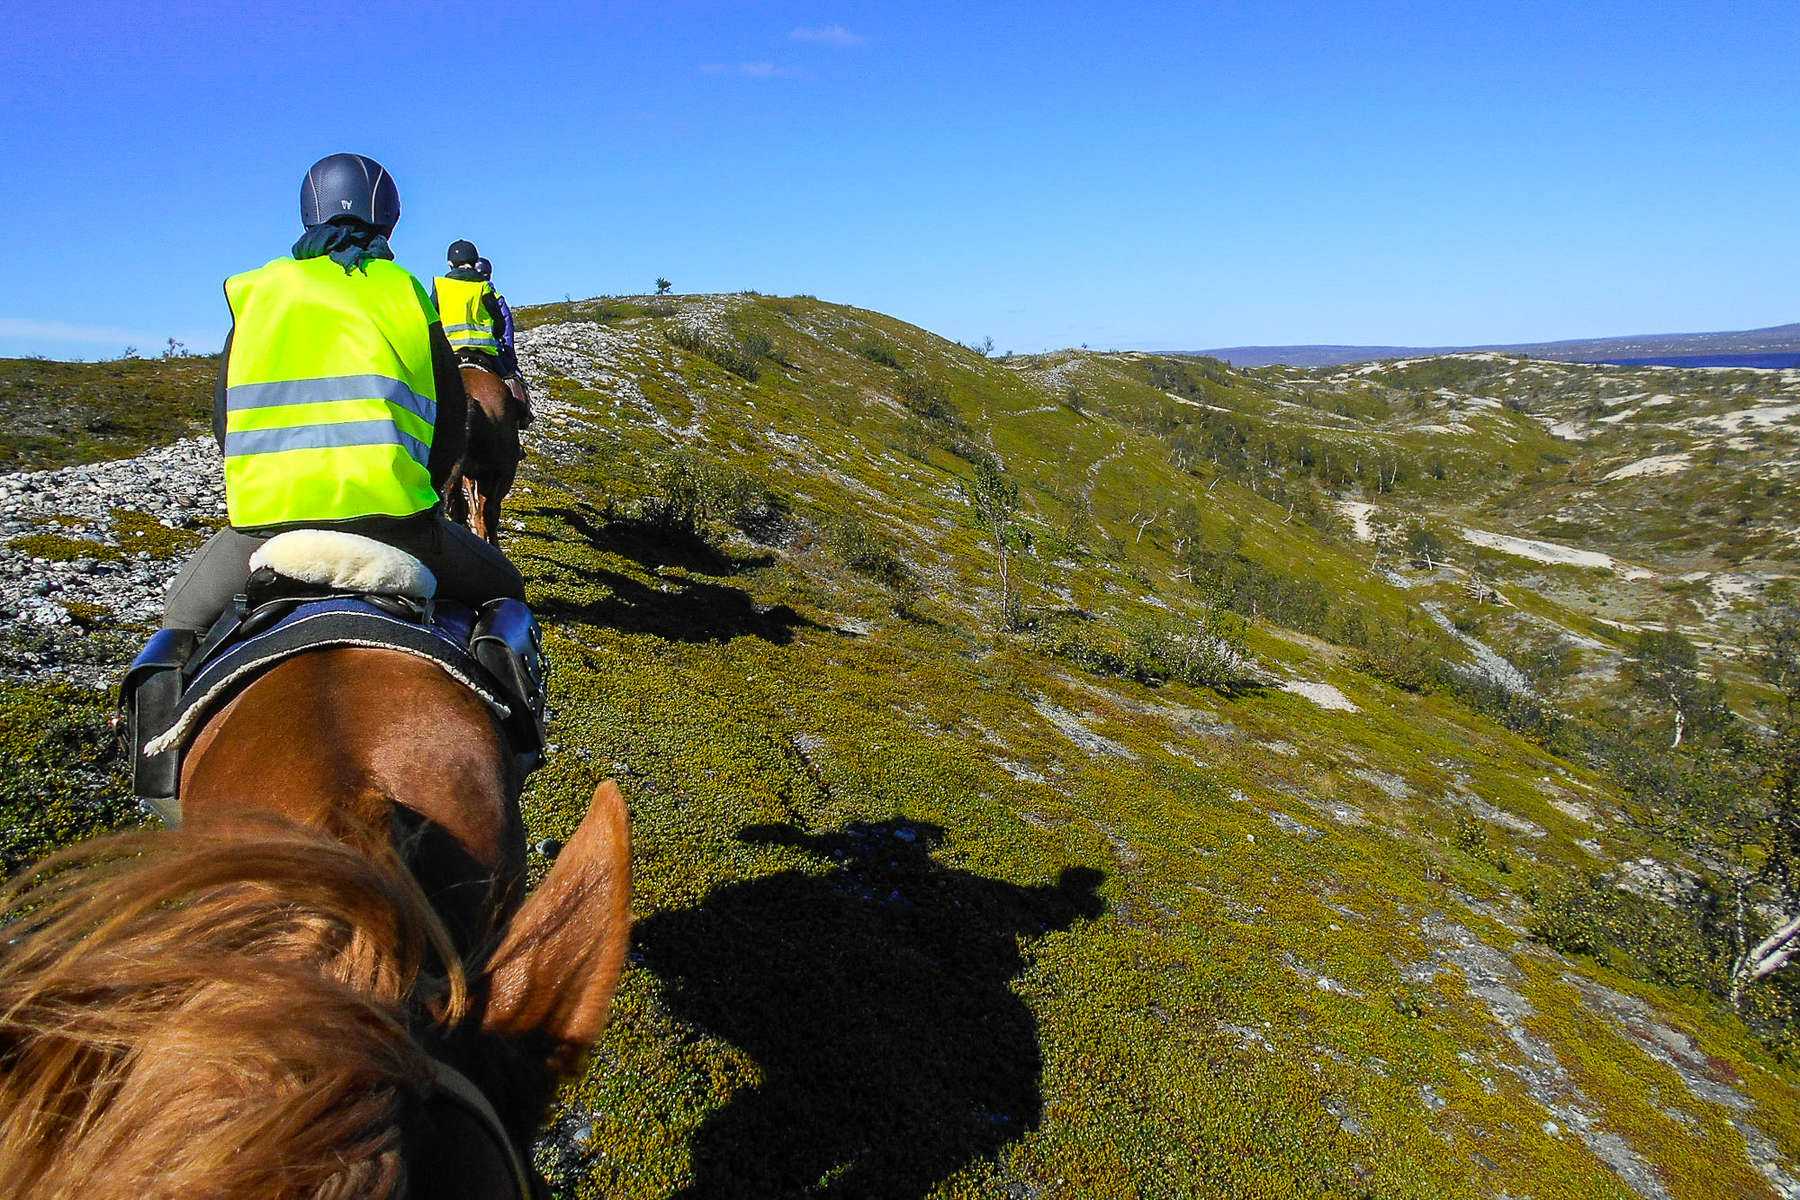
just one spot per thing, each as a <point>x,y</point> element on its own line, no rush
<point>59,414</point>
<point>900,935</point>
<point>926,910</point>
<point>62,777</point>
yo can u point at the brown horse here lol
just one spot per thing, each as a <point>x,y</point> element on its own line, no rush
<point>317,984</point>
<point>484,474</point>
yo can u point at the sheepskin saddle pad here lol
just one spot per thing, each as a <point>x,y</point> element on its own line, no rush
<point>346,562</point>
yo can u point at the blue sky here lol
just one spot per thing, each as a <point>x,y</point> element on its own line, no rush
<point>1045,174</point>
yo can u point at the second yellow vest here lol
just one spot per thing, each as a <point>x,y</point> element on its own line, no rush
<point>466,320</point>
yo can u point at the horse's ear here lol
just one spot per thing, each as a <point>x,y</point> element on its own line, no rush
<point>551,980</point>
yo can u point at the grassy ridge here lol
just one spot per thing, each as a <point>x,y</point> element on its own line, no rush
<point>930,908</point>
<point>927,910</point>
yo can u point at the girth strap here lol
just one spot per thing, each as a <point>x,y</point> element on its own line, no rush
<point>460,1088</point>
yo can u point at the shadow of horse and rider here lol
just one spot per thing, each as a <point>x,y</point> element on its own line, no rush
<point>876,1000</point>
<point>876,996</point>
<point>683,605</point>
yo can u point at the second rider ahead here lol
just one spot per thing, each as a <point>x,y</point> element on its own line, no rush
<point>477,321</point>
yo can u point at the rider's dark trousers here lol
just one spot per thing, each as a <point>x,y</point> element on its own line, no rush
<point>468,570</point>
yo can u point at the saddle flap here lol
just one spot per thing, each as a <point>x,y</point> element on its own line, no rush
<point>508,643</point>
<point>323,624</point>
<point>150,698</point>
<point>345,562</point>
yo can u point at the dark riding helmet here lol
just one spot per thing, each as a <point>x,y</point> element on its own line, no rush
<point>349,185</point>
<point>484,268</point>
<point>461,253</point>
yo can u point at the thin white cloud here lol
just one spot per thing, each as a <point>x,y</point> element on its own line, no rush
<point>754,70</point>
<point>62,331</point>
<point>829,35</point>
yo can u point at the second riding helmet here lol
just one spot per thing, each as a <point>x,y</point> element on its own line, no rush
<point>461,253</point>
<point>484,268</point>
<point>350,185</point>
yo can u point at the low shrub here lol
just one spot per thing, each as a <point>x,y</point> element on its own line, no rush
<point>57,547</point>
<point>1208,652</point>
<point>686,494</point>
<point>1253,589</point>
<point>740,359</point>
<point>1471,837</point>
<point>1591,914</point>
<point>1404,656</point>
<point>674,504</point>
<point>61,775</point>
<point>136,530</point>
<point>880,352</point>
<point>925,398</point>
<point>1153,649</point>
<point>875,557</point>
<point>756,344</point>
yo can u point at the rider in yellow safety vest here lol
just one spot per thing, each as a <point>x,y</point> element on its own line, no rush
<point>471,311</point>
<point>339,404</point>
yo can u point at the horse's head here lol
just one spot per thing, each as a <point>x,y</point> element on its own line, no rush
<point>262,1010</point>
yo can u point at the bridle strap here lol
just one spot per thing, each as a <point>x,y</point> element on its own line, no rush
<point>460,1088</point>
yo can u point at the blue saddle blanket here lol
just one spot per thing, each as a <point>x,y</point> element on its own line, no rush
<point>328,624</point>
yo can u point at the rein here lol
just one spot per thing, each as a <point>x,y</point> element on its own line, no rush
<point>454,1085</point>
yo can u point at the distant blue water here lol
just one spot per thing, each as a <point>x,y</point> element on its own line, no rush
<point>1763,361</point>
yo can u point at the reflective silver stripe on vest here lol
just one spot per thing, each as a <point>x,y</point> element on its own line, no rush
<point>332,389</point>
<point>486,328</point>
<point>325,437</point>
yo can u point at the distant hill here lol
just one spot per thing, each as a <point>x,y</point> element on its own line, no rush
<point>1776,339</point>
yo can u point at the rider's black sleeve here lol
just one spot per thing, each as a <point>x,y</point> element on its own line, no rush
<point>219,391</point>
<point>451,431</point>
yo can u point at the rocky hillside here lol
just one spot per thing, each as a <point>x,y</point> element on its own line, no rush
<point>1085,775</point>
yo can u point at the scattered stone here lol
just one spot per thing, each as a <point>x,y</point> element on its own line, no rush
<point>1290,825</point>
<point>181,485</point>
<point>1071,727</point>
<point>1322,694</point>
<point>1392,786</point>
<point>1654,879</point>
<point>1021,771</point>
<point>1509,820</point>
<point>1490,975</point>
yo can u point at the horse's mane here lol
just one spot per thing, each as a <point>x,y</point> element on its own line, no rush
<point>194,1015</point>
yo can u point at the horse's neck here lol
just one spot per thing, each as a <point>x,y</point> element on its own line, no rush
<point>382,751</point>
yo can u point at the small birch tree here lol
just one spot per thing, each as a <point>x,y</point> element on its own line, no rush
<point>995,498</point>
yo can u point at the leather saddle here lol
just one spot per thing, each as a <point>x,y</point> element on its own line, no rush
<point>315,590</point>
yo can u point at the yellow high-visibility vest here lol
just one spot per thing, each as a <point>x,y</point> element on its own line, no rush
<point>466,320</point>
<point>330,400</point>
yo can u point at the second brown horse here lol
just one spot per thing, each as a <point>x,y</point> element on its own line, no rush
<point>485,472</point>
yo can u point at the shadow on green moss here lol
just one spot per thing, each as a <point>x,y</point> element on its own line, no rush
<point>653,547</point>
<point>875,999</point>
<point>681,610</point>
<point>673,604</point>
